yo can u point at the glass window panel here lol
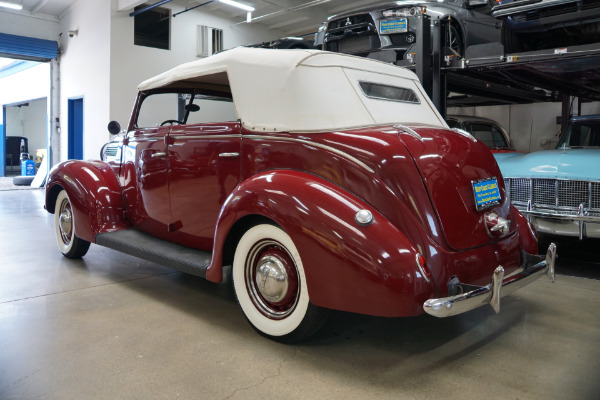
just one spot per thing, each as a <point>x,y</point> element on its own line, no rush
<point>385,92</point>
<point>156,109</point>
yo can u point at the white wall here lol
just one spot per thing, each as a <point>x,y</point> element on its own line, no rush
<point>29,121</point>
<point>101,64</point>
<point>85,72</point>
<point>32,83</point>
<point>531,127</point>
<point>132,64</point>
<point>38,26</point>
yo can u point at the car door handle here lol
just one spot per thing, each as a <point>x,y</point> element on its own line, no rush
<point>154,155</point>
<point>229,155</point>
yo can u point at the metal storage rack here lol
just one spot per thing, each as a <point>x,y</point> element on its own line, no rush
<point>537,76</point>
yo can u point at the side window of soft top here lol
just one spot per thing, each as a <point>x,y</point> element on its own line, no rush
<point>210,109</point>
<point>157,108</point>
<point>178,108</point>
<point>191,103</point>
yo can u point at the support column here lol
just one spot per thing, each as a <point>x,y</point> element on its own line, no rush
<point>54,118</point>
<point>438,95</point>
<point>423,50</point>
<point>566,112</point>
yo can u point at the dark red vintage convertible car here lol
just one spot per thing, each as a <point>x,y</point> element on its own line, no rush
<point>325,181</point>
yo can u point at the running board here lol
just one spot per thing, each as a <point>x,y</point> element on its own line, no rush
<point>141,245</point>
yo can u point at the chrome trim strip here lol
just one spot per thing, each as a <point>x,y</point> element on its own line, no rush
<point>580,212</point>
<point>407,130</point>
<point>311,143</point>
<point>142,140</point>
<point>229,155</point>
<point>175,137</point>
<point>567,217</point>
<point>491,294</point>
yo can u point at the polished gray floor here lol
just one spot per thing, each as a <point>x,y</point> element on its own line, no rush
<point>114,327</point>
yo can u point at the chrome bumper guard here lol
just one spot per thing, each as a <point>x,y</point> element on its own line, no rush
<point>582,217</point>
<point>499,286</point>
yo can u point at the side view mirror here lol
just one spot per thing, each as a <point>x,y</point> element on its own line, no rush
<point>192,107</point>
<point>469,4</point>
<point>114,127</point>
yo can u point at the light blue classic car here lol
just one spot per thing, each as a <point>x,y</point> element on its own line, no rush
<point>559,190</point>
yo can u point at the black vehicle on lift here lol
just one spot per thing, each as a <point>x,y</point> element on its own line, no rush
<point>387,32</point>
<point>547,24</point>
<point>285,43</point>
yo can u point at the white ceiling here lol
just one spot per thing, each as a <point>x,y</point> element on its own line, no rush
<point>294,17</point>
<point>49,7</point>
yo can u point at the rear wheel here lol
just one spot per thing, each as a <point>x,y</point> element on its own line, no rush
<point>64,223</point>
<point>454,40</point>
<point>510,41</point>
<point>270,285</point>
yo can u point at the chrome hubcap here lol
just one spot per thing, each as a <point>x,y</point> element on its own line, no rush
<point>65,223</point>
<point>272,279</point>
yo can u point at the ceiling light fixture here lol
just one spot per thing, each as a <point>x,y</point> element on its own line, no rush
<point>238,5</point>
<point>13,6</point>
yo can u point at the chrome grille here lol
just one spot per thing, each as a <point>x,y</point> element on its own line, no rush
<point>111,150</point>
<point>544,192</point>
<point>359,44</point>
<point>554,193</point>
<point>520,189</point>
<point>596,195</point>
<point>350,21</point>
<point>573,193</point>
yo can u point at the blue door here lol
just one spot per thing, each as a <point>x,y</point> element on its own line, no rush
<point>2,149</point>
<point>2,144</point>
<point>75,140</point>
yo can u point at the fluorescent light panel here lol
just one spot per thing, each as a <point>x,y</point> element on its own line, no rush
<point>14,6</point>
<point>238,5</point>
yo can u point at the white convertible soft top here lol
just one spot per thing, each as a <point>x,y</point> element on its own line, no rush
<point>303,90</point>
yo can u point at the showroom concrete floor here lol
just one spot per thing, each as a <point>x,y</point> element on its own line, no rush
<point>113,327</point>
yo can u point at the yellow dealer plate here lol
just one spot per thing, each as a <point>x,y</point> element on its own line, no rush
<point>487,192</point>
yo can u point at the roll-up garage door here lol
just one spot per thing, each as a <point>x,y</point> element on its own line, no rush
<point>27,48</point>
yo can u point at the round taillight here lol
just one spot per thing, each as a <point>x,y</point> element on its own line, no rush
<point>422,265</point>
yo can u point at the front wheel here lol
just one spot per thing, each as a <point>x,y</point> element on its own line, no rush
<point>270,286</point>
<point>452,38</point>
<point>64,224</point>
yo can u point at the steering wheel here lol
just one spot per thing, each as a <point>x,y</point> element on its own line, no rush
<point>170,121</point>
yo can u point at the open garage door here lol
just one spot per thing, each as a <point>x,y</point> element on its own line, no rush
<point>27,48</point>
<point>21,48</point>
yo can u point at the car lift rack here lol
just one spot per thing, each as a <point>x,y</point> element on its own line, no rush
<point>535,76</point>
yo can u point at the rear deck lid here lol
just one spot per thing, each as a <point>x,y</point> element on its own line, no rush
<point>463,182</point>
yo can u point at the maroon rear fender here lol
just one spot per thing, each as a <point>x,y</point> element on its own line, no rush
<point>367,269</point>
<point>95,195</point>
<point>527,235</point>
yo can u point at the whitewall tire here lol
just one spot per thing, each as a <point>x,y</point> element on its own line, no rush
<point>64,224</point>
<point>270,286</point>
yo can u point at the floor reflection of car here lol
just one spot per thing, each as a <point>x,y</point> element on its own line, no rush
<point>484,129</point>
<point>547,24</point>
<point>388,31</point>
<point>560,189</point>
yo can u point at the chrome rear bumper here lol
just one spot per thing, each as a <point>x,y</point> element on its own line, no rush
<point>499,286</point>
